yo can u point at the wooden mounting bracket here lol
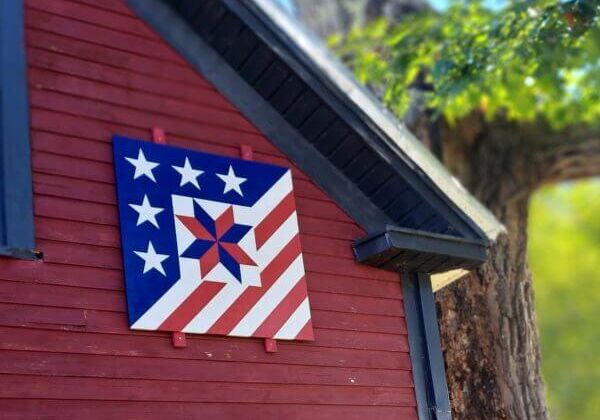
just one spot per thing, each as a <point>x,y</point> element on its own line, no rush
<point>178,339</point>
<point>270,345</point>
<point>158,135</point>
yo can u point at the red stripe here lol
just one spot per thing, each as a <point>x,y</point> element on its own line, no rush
<point>194,226</point>
<point>233,315</point>
<point>281,262</point>
<point>190,307</point>
<point>274,220</point>
<point>282,311</point>
<point>306,333</point>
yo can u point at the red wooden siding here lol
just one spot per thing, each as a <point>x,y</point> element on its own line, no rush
<point>66,351</point>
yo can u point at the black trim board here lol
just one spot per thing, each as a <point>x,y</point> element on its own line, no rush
<point>16,198</point>
<point>398,249</point>
<point>216,70</point>
<point>429,374</point>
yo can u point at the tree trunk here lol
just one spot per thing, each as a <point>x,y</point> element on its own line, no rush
<point>487,319</point>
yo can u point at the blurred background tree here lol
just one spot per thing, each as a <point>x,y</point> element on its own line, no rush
<point>564,253</point>
<point>506,94</point>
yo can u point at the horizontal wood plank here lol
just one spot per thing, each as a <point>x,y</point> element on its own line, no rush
<point>96,366</point>
<point>74,47</point>
<point>203,137</point>
<point>93,389</point>
<point>199,347</point>
<point>18,409</point>
<point>183,126</point>
<point>116,40</point>
<point>115,323</point>
<point>95,15</point>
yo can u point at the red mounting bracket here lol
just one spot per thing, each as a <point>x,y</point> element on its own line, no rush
<point>158,135</point>
<point>270,345</point>
<point>246,152</point>
<point>178,339</point>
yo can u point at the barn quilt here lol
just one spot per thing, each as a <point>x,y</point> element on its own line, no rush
<point>210,243</point>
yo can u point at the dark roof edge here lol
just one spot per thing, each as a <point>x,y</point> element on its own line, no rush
<point>213,67</point>
<point>305,54</point>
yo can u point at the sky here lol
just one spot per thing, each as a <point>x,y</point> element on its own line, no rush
<point>438,4</point>
<point>492,4</point>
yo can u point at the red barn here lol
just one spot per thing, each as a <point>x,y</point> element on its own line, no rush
<point>382,224</point>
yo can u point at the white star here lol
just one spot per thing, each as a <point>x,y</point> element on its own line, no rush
<point>188,174</point>
<point>142,166</point>
<point>152,260</point>
<point>232,182</point>
<point>146,213</point>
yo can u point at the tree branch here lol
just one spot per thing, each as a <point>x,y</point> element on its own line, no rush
<point>574,155</point>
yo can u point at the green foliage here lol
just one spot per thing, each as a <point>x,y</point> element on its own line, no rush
<point>533,58</point>
<point>564,253</point>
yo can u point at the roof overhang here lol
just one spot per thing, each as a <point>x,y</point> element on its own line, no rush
<point>310,107</point>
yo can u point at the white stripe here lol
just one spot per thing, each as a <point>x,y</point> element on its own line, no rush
<point>277,241</point>
<point>295,323</point>
<point>215,308</point>
<point>254,215</point>
<point>280,289</point>
<point>164,306</point>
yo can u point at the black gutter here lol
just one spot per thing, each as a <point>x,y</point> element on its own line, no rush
<point>398,249</point>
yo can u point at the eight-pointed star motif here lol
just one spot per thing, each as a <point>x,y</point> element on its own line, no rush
<point>232,182</point>
<point>142,166</point>
<point>188,174</point>
<point>152,260</point>
<point>217,241</point>
<point>146,213</point>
